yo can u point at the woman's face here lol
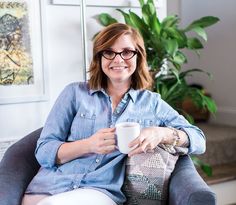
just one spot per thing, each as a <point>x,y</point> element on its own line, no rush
<point>119,70</point>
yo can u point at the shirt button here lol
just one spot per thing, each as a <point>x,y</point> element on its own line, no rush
<point>97,160</point>
<point>82,115</point>
<point>75,187</point>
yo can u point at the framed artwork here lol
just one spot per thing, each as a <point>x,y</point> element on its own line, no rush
<point>22,63</point>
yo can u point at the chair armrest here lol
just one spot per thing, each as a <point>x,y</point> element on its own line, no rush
<point>187,187</point>
<point>17,168</point>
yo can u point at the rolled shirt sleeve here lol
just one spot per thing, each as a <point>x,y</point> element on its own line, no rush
<point>56,128</point>
<point>171,118</point>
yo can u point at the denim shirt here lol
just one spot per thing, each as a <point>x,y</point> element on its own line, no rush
<point>77,114</point>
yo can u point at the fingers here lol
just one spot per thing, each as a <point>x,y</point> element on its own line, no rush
<point>108,136</point>
<point>147,141</point>
<point>140,149</point>
<point>107,130</point>
<point>143,146</point>
<point>106,140</point>
<point>108,149</point>
<point>139,140</point>
<point>139,144</point>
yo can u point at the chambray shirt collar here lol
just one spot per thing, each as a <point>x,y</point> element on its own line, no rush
<point>131,93</point>
<point>92,91</point>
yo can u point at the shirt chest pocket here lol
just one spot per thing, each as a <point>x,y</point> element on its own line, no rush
<point>142,122</point>
<point>83,125</point>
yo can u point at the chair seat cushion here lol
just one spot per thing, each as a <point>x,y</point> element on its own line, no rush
<point>147,177</point>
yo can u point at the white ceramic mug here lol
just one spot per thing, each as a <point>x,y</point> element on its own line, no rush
<point>125,133</point>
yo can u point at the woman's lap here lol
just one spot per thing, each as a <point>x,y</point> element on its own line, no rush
<point>32,199</point>
<point>75,197</point>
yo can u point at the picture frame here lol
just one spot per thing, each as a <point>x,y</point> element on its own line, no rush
<point>22,56</point>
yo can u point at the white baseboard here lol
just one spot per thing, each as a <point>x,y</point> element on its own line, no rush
<point>225,115</point>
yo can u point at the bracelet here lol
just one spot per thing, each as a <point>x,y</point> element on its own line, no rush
<point>176,137</point>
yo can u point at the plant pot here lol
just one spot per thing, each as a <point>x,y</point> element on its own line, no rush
<point>198,114</point>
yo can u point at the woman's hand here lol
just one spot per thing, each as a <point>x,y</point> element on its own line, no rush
<point>103,141</point>
<point>148,139</point>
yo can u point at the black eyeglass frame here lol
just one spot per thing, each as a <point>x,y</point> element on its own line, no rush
<point>120,54</point>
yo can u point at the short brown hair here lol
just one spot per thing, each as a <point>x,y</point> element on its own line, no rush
<point>141,78</point>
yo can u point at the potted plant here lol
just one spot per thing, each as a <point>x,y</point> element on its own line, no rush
<point>165,43</point>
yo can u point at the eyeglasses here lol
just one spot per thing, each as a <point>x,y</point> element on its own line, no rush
<point>125,54</point>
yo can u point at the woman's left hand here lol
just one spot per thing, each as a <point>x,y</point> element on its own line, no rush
<point>148,139</point>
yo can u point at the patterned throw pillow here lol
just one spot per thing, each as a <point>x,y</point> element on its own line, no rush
<point>147,177</point>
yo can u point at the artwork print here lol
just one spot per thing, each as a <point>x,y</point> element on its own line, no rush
<point>16,62</point>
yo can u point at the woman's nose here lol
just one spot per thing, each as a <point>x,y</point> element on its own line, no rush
<point>118,58</point>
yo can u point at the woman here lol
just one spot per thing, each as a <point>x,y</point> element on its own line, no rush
<point>77,147</point>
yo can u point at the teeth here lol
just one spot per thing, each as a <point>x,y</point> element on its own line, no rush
<point>118,68</point>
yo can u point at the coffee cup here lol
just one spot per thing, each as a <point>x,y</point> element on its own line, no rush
<point>125,133</point>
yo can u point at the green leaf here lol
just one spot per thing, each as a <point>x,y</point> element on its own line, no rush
<point>189,71</point>
<point>155,25</point>
<point>177,34</point>
<point>207,169</point>
<point>176,74</point>
<point>187,116</point>
<point>151,8</point>
<point>196,161</point>
<point>139,24</point>
<point>171,46</point>
<point>210,104</point>
<point>141,2</point>
<point>146,14</point>
<point>180,58</point>
<point>201,32</point>
<point>151,2</point>
<point>170,21</point>
<point>149,13</point>
<point>106,19</point>
<point>163,92</point>
<point>194,43</point>
<point>203,22</point>
<point>126,17</point>
<point>172,89</point>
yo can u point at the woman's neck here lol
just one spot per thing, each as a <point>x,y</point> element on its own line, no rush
<point>116,92</point>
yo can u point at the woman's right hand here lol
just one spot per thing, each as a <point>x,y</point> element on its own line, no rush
<point>103,141</point>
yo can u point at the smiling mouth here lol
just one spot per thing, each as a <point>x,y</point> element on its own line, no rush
<point>118,68</point>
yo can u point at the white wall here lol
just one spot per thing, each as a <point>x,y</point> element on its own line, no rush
<point>218,57</point>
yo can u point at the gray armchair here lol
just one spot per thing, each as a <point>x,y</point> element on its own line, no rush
<point>19,165</point>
